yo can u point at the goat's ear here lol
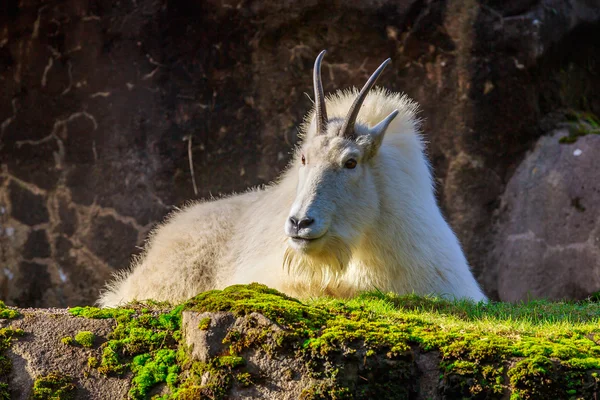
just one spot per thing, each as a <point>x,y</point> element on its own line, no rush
<point>310,128</point>
<point>378,131</point>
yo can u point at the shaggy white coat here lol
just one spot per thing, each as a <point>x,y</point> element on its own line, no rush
<point>407,248</point>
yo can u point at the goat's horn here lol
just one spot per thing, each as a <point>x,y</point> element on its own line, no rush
<point>321,112</point>
<point>348,127</point>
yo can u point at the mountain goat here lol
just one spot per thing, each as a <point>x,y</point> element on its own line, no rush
<point>355,210</point>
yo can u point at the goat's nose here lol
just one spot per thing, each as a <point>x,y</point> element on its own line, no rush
<point>305,222</point>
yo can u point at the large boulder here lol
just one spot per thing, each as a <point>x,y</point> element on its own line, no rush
<point>548,241</point>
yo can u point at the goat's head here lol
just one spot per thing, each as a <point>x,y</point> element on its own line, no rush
<point>336,197</point>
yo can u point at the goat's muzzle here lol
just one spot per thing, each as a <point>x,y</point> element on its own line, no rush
<point>302,232</point>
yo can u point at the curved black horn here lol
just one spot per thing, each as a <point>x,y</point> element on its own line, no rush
<point>348,127</point>
<point>320,111</point>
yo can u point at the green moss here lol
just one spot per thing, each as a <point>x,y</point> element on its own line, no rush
<point>580,124</point>
<point>101,313</point>
<point>54,387</point>
<point>257,335</point>
<point>537,349</point>
<point>85,338</point>
<point>4,393</point>
<point>477,341</point>
<point>244,299</point>
<point>93,362</point>
<point>245,379</point>
<point>141,342</point>
<point>230,361</point>
<point>358,326</point>
<point>148,305</point>
<point>110,362</point>
<point>7,313</point>
<point>325,391</point>
<point>151,369</point>
<point>5,365</point>
<point>67,340</point>
<point>213,379</point>
<point>7,335</point>
<point>204,324</point>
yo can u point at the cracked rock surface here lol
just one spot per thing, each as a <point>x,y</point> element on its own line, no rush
<point>104,107</point>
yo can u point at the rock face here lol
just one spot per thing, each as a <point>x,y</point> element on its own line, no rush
<point>40,353</point>
<point>104,108</point>
<point>206,344</point>
<point>549,233</point>
<point>253,342</point>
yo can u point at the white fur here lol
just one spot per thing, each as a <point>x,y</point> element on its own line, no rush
<point>384,228</point>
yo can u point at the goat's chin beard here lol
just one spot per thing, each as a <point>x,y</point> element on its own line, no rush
<point>324,265</point>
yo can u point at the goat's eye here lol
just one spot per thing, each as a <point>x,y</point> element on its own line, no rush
<point>303,160</point>
<point>350,164</point>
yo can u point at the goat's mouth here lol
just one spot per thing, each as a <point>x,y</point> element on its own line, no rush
<point>299,239</point>
<point>305,243</point>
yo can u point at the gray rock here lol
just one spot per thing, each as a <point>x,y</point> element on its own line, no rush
<point>283,374</point>
<point>205,344</point>
<point>40,352</point>
<point>548,240</point>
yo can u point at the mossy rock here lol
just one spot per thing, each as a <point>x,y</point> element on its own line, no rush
<point>362,348</point>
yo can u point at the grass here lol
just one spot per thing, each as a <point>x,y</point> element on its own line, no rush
<point>537,349</point>
<point>568,331</point>
<point>488,343</point>
<point>580,124</point>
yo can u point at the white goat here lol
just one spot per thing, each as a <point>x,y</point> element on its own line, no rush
<point>354,211</point>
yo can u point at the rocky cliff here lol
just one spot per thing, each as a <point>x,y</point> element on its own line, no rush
<point>111,113</point>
